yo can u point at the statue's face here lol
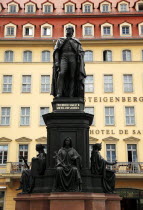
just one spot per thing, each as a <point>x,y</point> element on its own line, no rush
<point>67,142</point>
<point>69,31</point>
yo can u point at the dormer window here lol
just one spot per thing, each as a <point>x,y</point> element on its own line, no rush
<point>139,6</point>
<point>69,8</point>
<point>12,8</point>
<point>125,29</point>
<point>28,31</point>
<point>88,30</point>
<point>106,29</point>
<point>87,8</point>
<point>30,8</point>
<point>105,8</point>
<point>123,7</point>
<point>46,30</point>
<point>47,8</point>
<point>10,31</point>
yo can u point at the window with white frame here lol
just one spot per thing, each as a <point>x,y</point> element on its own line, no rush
<point>125,30</point>
<point>45,84</point>
<point>25,116</point>
<point>87,8</point>
<point>89,84</point>
<point>12,8</point>
<point>23,152</point>
<point>123,7</point>
<point>10,31</point>
<point>3,154</point>
<point>69,8</point>
<point>28,31</point>
<point>46,31</point>
<point>107,55</point>
<point>8,56</point>
<point>105,7</point>
<point>26,83</point>
<point>45,56</point>
<point>47,8</point>
<point>126,55</point>
<point>43,110</point>
<point>30,8</point>
<point>27,56</point>
<point>111,152</point>
<point>106,30</point>
<point>88,31</point>
<point>108,83</point>
<point>132,152</point>
<point>140,6</point>
<point>88,56</point>
<point>7,83</point>
<point>109,116</point>
<point>5,116</point>
<point>130,115</point>
<point>89,110</point>
<point>128,83</point>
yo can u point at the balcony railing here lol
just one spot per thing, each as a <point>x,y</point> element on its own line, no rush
<point>119,168</point>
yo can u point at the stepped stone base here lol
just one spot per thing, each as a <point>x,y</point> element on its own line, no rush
<point>68,201</point>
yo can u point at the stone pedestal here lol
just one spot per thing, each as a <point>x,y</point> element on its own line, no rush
<point>68,201</point>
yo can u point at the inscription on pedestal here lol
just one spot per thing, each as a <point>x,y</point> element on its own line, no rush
<point>67,106</point>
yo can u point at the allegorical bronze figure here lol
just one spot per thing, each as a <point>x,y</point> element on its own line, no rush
<point>98,167</point>
<point>68,68</point>
<point>37,168</point>
<point>68,165</point>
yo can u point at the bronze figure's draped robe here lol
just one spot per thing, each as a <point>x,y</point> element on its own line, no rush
<point>68,177</point>
<point>68,77</point>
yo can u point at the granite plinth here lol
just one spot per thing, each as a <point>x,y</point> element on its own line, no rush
<point>70,201</point>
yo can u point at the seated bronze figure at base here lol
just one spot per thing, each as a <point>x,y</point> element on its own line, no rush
<point>98,167</point>
<point>68,165</point>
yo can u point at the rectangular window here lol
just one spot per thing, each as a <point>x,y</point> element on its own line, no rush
<point>8,56</point>
<point>123,7</point>
<point>132,152</point>
<point>87,8</point>
<point>105,8</point>
<point>109,116</point>
<point>47,8</point>
<point>30,8</point>
<point>89,84</point>
<point>25,116</point>
<point>126,55</point>
<point>107,30</point>
<point>28,31</point>
<point>110,152</point>
<point>45,83</point>
<point>88,31</point>
<point>26,84</point>
<point>69,8</point>
<point>12,8</point>
<point>43,110</point>
<point>128,83</point>
<point>5,116</point>
<point>3,154</point>
<point>10,31</point>
<point>108,83</point>
<point>46,31</point>
<point>125,30</point>
<point>130,115</point>
<point>89,110</point>
<point>23,152</point>
<point>7,84</point>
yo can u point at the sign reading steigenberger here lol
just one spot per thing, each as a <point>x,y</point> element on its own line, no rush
<point>71,106</point>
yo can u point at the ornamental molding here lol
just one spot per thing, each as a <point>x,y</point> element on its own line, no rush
<point>92,138</point>
<point>131,138</point>
<point>110,138</point>
<point>41,139</point>
<point>23,139</point>
<point>4,139</point>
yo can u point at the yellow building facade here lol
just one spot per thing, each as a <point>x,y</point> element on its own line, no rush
<point>114,94</point>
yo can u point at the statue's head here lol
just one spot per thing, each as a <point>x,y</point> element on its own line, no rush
<point>97,146</point>
<point>40,148</point>
<point>69,31</point>
<point>67,142</point>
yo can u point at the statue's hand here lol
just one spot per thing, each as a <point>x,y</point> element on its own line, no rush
<point>115,162</point>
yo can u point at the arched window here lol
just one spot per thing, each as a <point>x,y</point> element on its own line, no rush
<point>8,56</point>
<point>45,56</point>
<point>88,57</point>
<point>107,55</point>
<point>126,55</point>
<point>27,56</point>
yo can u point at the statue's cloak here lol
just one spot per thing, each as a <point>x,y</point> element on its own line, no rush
<point>80,72</point>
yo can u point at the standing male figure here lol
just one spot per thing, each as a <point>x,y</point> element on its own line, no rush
<point>68,68</point>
